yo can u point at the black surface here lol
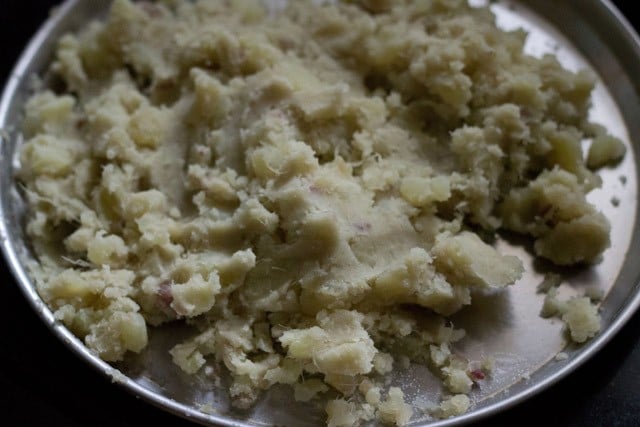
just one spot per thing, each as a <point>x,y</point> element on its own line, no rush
<point>43,384</point>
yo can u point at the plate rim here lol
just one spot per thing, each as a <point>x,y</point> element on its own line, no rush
<point>20,277</point>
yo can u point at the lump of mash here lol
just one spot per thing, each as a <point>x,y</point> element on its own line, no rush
<point>303,186</point>
<point>579,314</point>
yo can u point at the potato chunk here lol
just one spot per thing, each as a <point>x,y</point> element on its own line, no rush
<point>466,260</point>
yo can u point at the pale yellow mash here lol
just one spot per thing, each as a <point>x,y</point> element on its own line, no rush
<point>311,189</point>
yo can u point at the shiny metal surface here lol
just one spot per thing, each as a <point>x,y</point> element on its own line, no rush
<point>506,326</point>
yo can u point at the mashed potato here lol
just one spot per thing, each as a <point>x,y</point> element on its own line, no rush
<point>295,184</point>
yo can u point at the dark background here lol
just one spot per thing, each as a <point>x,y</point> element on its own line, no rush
<point>43,384</point>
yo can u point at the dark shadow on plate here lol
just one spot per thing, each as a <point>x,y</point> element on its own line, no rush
<point>489,313</point>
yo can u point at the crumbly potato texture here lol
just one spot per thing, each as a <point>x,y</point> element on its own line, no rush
<point>311,189</point>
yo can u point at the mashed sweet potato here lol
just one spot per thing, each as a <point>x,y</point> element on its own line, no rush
<point>295,184</point>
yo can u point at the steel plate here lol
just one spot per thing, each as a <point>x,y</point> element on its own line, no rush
<point>507,326</point>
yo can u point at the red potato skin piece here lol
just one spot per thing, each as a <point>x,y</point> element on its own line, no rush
<point>478,375</point>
